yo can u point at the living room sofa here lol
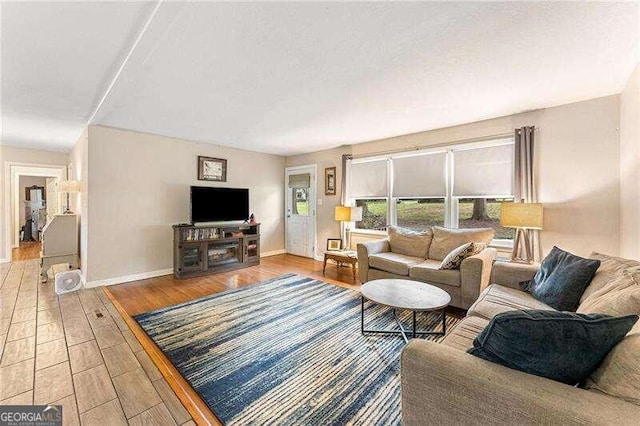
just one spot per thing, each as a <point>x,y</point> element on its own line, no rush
<point>418,255</point>
<point>442,384</point>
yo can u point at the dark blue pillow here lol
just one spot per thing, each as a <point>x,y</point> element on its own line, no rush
<point>562,346</point>
<point>562,279</point>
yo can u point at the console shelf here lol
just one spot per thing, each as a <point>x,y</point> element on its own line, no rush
<point>201,250</point>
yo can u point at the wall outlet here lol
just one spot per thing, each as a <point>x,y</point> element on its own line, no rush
<point>319,201</point>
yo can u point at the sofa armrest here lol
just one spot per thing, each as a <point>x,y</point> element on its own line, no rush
<point>443,385</point>
<point>511,274</point>
<point>475,275</point>
<point>365,250</point>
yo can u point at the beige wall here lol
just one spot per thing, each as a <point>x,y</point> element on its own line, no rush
<point>139,187</point>
<point>28,181</point>
<point>26,157</point>
<point>630,167</point>
<point>577,156</point>
<point>78,165</point>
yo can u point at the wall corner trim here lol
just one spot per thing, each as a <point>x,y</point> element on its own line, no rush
<point>128,278</point>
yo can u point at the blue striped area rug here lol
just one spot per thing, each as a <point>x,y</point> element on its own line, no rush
<point>286,351</point>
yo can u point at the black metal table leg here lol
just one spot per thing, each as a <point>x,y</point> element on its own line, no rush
<point>414,324</point>
<point>444,322</point>
<point>414,332</point>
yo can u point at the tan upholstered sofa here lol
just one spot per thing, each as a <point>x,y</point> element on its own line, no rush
<point>418,255</point>
<point>442,384</point>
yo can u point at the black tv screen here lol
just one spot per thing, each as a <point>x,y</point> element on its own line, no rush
<point>219,204</point>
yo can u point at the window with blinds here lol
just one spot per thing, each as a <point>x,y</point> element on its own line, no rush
<point>369,188</point>
<point>460,186</point>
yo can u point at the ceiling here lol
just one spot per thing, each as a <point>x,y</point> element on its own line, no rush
<point>289,78</point>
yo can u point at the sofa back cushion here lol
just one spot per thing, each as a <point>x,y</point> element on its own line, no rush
<point>446,240</point>
<point>620,297</point>
<point>610,268</point>
<point>408,242</point>
<point>619,373</point>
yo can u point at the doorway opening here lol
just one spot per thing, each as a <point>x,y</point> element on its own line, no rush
<point>33,199</point>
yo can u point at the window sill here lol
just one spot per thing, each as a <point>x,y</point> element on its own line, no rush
<point>368,232</point>
<point>502,244</point>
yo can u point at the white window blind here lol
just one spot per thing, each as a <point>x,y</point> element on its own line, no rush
<point>302,180</point>
<point>483,171</point>
<point>368,179</point>
<point>420,176</point>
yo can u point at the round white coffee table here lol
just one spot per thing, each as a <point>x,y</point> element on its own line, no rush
<point>407,295</point>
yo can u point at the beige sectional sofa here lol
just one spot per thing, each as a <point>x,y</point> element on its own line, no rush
<point>442,384</point>
<point>418,255</point>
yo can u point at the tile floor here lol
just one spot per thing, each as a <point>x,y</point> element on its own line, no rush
<point>76,351</point>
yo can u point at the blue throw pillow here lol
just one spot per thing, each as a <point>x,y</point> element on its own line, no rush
<point>562,279</point>
<point>562,346</point>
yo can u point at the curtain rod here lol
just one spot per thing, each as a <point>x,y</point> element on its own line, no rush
<point>440,145</point>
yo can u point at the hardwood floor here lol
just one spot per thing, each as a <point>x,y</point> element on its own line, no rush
<point>26,251</point>
<point>154,293</point>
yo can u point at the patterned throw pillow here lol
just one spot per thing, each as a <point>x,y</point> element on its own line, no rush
<point>454,259</point>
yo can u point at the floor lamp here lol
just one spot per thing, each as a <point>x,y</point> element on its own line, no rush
<point>523,217</point>
<point>346,215</point>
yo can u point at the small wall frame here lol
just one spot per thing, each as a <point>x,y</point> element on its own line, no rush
<point>330,181</point>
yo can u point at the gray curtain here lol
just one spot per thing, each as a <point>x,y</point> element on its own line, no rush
<point>525,178</point>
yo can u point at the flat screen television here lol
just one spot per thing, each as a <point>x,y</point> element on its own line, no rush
<point>219,204</point>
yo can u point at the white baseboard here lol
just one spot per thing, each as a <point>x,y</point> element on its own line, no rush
<point>5,260</point>
<point>129,278</point>
<point>272,253</point>
<point>319,257</point>
<point>152,274</point>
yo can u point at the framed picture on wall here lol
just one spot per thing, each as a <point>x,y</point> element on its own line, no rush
<point>330,181</point>
<point>333,244</point>
<point>213,169</point>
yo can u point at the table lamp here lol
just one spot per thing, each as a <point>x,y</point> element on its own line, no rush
<point>522,217</point>
<point>68,187</point>
<point>347,215</point>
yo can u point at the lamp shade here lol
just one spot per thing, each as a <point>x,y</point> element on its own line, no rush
<point>343,214</point>
<point>521,215</point>
<point>69,186</point>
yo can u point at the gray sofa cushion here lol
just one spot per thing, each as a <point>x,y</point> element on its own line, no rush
<point>446,240</point>
<point>497,299</point>
<point>429,271</point>
<point>393,262</point>
<point>610,268</point>
<point>463,334</point>
<point>408,242</point>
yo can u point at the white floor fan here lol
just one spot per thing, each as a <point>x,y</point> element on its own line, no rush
<point>68,281</point>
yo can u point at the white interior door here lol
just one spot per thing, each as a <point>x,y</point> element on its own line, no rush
<point>300,210</point>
